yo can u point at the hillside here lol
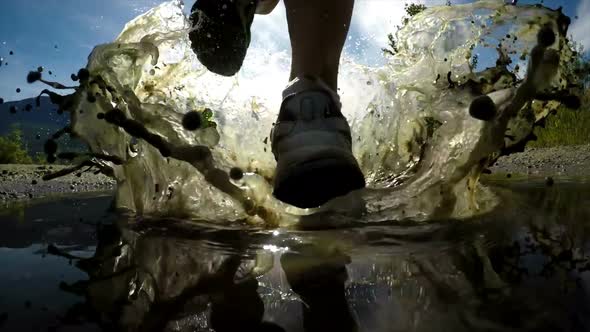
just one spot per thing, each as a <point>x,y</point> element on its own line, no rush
<point>36,123</point>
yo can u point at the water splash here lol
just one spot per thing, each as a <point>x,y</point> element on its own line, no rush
<point>414,137</point>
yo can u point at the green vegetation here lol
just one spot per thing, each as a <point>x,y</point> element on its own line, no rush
<point>567,127</point>
<point>208,120</point>
<point>570,127</point>
<point>411,10</point>
<point>12,148</point>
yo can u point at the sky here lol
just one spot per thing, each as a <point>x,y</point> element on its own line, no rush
<point>60,34</point>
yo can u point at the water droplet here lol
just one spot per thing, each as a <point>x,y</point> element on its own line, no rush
<point>115,116</point>
<point>483,108</point>
<point>236,173</point>
<point>33,76</point>
<point>50,147</point>
<point>83,74</point>
<point>192,120</point>
<point>546,37</point>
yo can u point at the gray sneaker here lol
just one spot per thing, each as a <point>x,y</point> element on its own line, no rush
<point>312,144</point>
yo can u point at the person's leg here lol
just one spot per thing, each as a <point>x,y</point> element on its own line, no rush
<point>318,30</point>
<point>311,139</point>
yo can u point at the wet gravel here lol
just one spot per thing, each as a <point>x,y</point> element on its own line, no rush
<point>567,161</point>
<point>24,182</point>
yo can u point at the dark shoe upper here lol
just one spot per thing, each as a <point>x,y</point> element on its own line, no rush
<point>220,34</point>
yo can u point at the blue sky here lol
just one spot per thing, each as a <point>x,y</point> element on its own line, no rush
<point>59,34</point>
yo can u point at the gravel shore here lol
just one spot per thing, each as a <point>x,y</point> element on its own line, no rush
<point>565,161</point>
<point>23,182</point>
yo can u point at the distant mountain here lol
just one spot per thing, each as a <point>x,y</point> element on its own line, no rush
<point>45,115</point>
<point>37,123</point>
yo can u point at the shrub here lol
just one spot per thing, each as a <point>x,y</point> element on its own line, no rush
<point>12,149</point>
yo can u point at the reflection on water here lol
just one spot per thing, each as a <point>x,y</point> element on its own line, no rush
<point>522,268</point>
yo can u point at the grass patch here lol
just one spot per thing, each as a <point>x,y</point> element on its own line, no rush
<point>567,127</point>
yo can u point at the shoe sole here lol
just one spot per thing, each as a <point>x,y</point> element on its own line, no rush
<point>316,180</point>
<point>219,38</point>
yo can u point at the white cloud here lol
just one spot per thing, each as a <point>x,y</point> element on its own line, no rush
<point>374,19</point>
<point>270,31</point>
<point>581,26</point>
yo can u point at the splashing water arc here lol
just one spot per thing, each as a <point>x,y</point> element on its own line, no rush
<point>420,149</point>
